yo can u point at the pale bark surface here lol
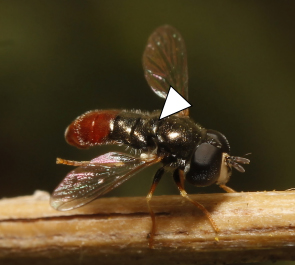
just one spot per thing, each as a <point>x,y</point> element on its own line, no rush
<point>254,226</point>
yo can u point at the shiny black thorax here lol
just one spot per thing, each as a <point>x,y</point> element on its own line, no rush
<point>175,137</point>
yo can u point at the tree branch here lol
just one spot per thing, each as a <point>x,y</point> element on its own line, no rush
<point>253,227</point>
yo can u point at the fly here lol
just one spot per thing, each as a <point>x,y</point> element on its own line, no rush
<point>195,154</point>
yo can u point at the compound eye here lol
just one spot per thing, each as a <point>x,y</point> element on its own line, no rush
<point>220,138</point>
<point>205,165</point>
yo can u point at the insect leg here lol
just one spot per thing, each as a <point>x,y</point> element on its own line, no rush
<point>71,162</point>
<point>226,188</point>
<point>156,180</point>
<point>178,176</point>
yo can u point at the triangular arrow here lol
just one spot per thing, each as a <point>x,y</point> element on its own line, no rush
<point>174,103</point>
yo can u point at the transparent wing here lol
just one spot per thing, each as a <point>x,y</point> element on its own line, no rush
<point>104,173</point>
<point>165,62</point>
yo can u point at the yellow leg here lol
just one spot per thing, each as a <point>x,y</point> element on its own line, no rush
<point>226,188</point>
<point>71,162</point>
<point>178,178</point>
<point>156,180</point>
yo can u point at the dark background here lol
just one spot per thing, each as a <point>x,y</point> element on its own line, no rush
<point>59,59</point>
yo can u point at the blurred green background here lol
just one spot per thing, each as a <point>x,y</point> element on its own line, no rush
<point>59,59</point>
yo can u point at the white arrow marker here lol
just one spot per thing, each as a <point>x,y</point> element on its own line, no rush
<point>174,103</point>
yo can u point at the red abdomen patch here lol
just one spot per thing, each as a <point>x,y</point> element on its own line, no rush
<point>91,128</point>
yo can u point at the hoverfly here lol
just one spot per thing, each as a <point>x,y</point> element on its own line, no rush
<point>197,155</point>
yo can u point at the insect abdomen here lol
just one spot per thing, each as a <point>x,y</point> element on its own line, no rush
<point>134,129</point>
<point>110,127</point>
<point>91,128</point>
